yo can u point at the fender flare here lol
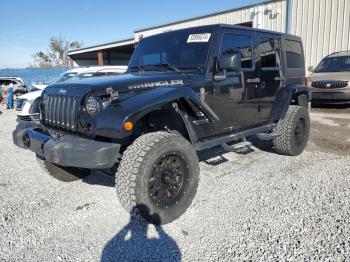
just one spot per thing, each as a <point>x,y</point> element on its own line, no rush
<point>285,97</point>
<point>139,105</point>
<point>172,95</point>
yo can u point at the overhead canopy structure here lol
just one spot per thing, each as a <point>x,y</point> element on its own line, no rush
<point>116,53</point>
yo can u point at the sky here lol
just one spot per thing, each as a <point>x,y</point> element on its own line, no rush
<point>27,25</point>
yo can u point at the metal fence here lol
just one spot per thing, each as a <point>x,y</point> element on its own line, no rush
<point>35,75</point>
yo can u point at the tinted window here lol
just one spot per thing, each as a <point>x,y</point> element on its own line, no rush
<point>294,53</point>
<point>179,48</point>
<point>334,64</point>
<point>238,43</point>
<point>270,52</point>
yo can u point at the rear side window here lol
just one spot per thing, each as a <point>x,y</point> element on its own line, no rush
<point>232,43</point>
<point>4,82</point>
<point>270,52</point>
<point>294,53</point>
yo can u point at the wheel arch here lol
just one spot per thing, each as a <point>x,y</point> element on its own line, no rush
<point>172,116</point>
<point>290,95</point>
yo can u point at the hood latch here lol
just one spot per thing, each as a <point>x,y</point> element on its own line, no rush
<point>114,95</point>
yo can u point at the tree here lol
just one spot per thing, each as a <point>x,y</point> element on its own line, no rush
<point>57,54</point>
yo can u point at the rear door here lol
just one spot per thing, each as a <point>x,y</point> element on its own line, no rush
<point>295,62</point>
<point>271,73</point>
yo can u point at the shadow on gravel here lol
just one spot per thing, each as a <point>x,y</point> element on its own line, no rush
<point>266,146</point>
<point>132,244</point>
<point>330,106</point>
<point>101,178</point>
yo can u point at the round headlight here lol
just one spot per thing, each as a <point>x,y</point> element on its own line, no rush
<point>91,105</point>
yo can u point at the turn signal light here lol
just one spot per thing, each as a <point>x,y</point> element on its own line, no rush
<point>128,126</point>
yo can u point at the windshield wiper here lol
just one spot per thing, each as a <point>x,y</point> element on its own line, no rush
<point>140,68</point>
<point>174,68</point>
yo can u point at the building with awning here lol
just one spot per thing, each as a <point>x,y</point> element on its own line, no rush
<point>324,26</point>
<point>115,53</point>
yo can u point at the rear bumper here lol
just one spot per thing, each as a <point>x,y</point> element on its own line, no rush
<point>69,151</point>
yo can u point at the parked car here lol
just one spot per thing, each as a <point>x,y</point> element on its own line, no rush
<point>185,91</point>
<point>66,76</point>
<point>27,106</point>
<point>330,80</point>
<point>19,87</point>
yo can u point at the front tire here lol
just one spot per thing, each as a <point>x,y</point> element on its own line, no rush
<point>158,177</point>
<point>293,131</point>
<point>64,174</point>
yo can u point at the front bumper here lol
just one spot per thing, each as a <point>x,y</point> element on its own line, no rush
<point>67,150</point>
<point>331,96</point>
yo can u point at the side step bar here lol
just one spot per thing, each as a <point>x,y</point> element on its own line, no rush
<point>267,136</point>
<point>232,137</point>
<point>237,148</point>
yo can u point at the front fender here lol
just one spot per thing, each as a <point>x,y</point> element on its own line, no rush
<point>111,120</point>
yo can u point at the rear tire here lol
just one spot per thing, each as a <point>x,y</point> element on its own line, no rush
<point>64,174</point>
<point>294,131</point>
<point>158,177</point>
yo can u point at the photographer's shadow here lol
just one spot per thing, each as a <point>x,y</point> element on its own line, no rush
<point>132,244</point>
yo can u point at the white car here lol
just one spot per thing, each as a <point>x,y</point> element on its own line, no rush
<point>19,87</point>
<point>27,105</point>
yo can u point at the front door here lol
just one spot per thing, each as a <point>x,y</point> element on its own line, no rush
<point>234,99</point>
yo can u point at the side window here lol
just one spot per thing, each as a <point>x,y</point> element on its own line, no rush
<point>270,52</point>
<point>238,43</point>
<point>294,52</point>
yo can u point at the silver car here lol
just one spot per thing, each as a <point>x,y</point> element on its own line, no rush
<point>330,80</point>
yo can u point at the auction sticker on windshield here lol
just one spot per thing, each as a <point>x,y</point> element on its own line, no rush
<point>195,38</point>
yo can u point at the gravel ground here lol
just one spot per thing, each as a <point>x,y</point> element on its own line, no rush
<point>258,206</point>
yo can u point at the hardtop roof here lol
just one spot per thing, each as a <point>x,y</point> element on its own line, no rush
<point>218,26</point>
<point>339,54</point>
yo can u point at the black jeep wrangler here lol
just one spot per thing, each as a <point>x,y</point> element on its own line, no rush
<point>184,92</point>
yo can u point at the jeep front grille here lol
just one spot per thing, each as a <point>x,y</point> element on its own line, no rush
<point>330,84</point>
<point>61,111</point>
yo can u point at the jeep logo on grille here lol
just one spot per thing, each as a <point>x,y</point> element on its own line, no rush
<point>62,91</point>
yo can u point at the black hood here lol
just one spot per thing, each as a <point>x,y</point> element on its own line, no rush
<point>124,83</point>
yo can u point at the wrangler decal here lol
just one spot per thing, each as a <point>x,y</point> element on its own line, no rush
<point>158,84</point>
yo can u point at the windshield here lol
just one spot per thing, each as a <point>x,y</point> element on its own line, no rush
<point>173,50</point>
<point>334,64</point>
<point>65,77</point>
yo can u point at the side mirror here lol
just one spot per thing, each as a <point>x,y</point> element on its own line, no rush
<point>311,69</point>
<point>230,62</point>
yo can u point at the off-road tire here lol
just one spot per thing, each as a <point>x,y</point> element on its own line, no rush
<point>64,174</point>
<point>289,142</point>
<point>136,169</point>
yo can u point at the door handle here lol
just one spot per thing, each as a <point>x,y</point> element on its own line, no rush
<point>253,80</point>
<point>280,78</point>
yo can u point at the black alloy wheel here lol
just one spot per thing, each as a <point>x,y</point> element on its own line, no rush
<point>168,180</point>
